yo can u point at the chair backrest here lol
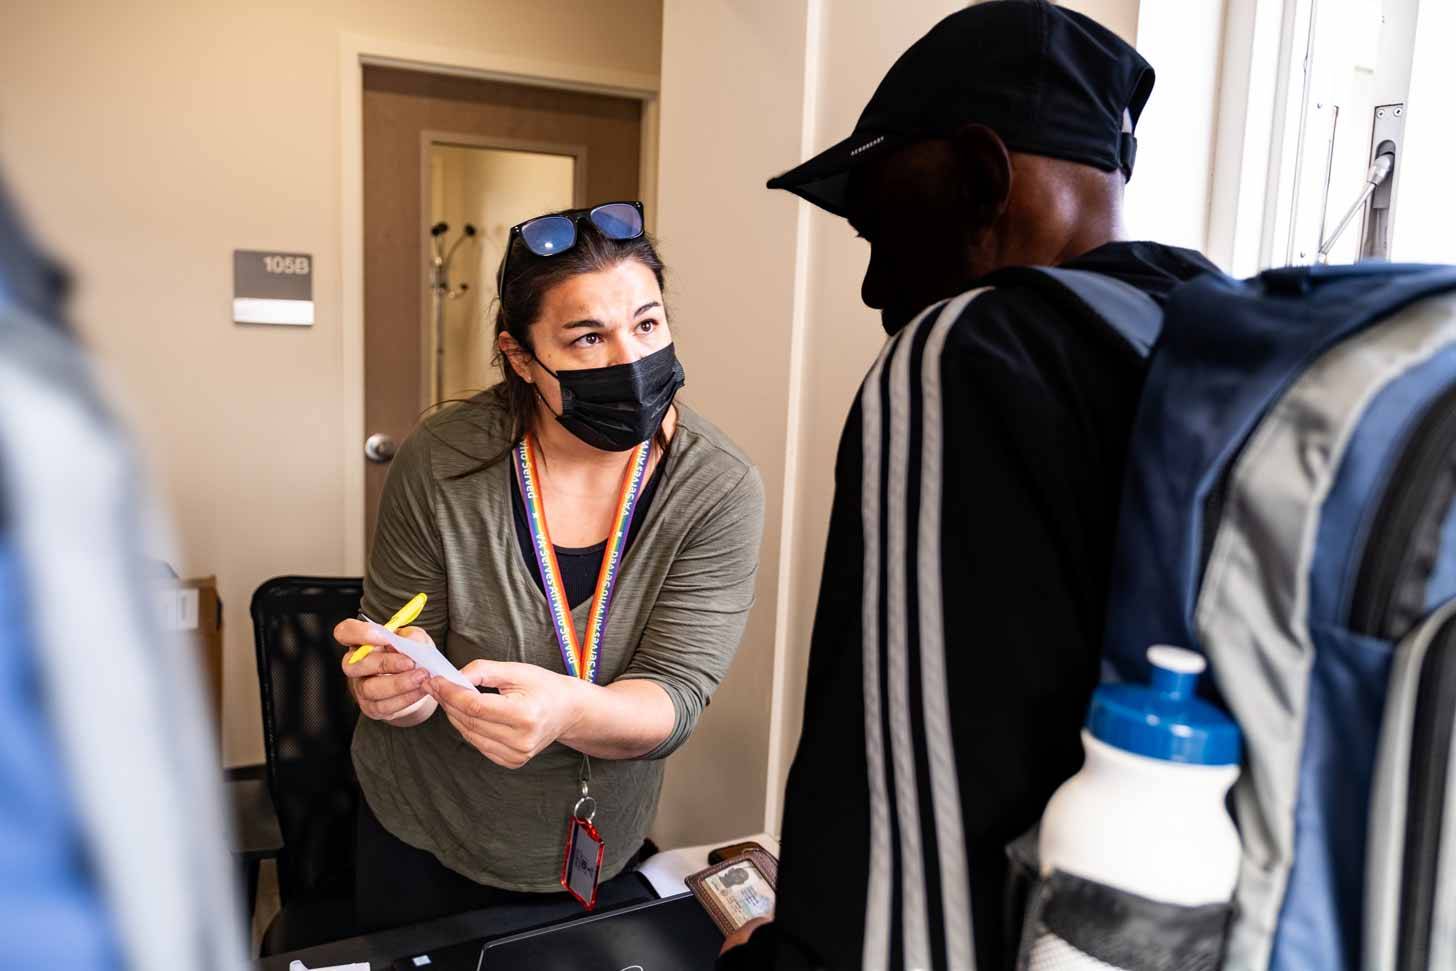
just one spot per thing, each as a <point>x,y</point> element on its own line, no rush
<point>308,724</point>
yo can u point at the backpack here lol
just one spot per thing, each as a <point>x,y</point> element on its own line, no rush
<point>1289,513</point>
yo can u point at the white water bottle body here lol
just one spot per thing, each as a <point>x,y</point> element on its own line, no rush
<point>1145,826</point>
<point>1146,815</point>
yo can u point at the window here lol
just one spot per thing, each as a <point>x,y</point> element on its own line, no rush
<point>1329,86</point>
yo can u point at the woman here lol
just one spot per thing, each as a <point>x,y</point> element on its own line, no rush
<point>580,451</point>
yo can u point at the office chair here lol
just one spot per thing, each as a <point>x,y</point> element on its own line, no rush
<point>308,725</point>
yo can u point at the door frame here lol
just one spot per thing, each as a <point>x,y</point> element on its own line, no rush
<point>433,137</point>
<point>355,53</point>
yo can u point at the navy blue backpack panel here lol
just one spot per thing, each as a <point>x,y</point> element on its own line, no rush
<point>1289,513</point>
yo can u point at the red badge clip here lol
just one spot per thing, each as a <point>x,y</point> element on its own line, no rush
<point>581,867</point>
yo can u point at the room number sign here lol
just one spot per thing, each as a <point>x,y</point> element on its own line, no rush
<point>272,288</point>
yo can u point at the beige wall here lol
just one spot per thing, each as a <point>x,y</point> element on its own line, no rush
<point>146,141</point>
<point>730,115</point>
<point>1120,16</point>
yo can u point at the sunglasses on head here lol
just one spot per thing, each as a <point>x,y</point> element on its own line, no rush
<point>550,235</point>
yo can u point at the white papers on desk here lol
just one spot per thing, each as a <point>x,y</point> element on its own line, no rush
<point>300,966</point>
<point>426,656</point>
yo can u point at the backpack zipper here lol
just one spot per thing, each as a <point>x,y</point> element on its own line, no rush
<point>1389,597</point>
<point>1430,747</point>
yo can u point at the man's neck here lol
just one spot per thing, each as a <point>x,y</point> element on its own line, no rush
<point>1098,226</point>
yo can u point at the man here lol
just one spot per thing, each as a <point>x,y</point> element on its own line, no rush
<point>977,486</point>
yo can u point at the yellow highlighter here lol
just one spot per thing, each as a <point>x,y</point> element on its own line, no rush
<point>405,616</point>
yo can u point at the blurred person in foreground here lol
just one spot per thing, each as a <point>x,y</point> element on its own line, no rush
<point>977,487</point>
<point>112,849</point>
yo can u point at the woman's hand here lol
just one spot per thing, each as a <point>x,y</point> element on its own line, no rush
<point>385,683</point>
<point>535,707</point>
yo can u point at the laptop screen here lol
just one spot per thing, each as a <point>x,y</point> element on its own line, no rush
<point>671,934</point>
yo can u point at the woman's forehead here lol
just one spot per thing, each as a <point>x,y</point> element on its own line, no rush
<point>619,291</point>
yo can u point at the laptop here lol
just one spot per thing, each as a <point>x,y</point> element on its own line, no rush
<point>671,934</point>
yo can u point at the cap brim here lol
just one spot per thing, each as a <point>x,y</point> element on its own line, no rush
<point>824,179</point>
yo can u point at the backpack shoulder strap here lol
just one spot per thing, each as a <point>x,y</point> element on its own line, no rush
<point>1129,312</point>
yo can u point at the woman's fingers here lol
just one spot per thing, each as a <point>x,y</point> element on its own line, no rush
<point>396,706</point>
<point>497,709</point>
<point>352,633</point>
<point>384,683</point>
<point>385,686</point>
<point>377,662</point>
<point>498,752</point>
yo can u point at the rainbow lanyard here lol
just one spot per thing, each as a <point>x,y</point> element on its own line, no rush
<point>581,659</point>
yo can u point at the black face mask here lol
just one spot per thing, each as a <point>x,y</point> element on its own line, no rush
<point>619,407</point>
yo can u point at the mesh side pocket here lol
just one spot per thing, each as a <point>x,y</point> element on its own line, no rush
<point>1067,923</point>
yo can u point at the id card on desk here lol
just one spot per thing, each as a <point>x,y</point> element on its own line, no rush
<point>737,890</point>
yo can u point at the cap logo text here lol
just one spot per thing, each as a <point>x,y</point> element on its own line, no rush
<point>867,146</point>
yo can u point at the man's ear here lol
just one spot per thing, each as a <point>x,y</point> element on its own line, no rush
<point>984,168</point>
<point>518,356</point>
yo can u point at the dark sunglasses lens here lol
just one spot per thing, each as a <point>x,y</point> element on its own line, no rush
<point>549,235</point>
<point>618,220</point>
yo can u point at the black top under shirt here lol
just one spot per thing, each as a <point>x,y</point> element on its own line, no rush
<point>580,566</point>
<point>1036,405</point>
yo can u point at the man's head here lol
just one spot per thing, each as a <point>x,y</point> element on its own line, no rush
<point>1003,137</point>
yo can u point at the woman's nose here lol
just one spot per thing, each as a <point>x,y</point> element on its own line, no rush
<point>623,351</point>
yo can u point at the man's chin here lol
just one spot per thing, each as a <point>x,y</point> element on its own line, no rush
<point>894,319</point>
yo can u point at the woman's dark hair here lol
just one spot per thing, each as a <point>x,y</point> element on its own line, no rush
<point>520,303</point>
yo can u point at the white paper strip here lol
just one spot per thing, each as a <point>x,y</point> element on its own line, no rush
<point>426,656</point>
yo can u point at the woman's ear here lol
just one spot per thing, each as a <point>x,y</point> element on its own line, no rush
<point>518,356</point>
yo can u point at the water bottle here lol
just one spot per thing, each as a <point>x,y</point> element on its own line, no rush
<point>1146,814</point>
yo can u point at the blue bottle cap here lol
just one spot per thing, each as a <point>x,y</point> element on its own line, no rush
<point>1165,720</point>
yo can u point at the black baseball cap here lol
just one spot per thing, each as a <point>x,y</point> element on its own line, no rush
<point>1049,81</point>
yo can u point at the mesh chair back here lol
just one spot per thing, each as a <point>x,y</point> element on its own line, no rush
<point>308,724</point>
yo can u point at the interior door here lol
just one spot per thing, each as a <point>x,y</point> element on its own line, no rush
<point>444,149</point>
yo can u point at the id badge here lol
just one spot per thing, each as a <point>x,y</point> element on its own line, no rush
<point>582,867</point>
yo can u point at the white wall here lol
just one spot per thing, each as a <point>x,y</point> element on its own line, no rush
<point>1168,198</point>
<point>146,141</point>
<point>1425,209</point>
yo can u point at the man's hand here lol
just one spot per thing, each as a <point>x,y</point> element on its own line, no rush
<point>740,937</point>
<point>535,707</point>
<point>385,683</point>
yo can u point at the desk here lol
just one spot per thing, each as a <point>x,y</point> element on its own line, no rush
<point>256,835</point>
<point>452,942</point>
<point>455,941</point>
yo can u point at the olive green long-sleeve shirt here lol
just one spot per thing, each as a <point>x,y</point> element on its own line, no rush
<point>682,599</point>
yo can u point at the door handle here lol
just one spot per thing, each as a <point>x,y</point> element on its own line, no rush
<point>379,448</point>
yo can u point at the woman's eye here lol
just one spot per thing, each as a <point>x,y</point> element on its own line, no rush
<point>588,340</point>
<point>647,326</point>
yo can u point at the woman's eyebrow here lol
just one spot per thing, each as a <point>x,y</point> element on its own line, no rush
<point>646,307</point>
<point>586,323</point>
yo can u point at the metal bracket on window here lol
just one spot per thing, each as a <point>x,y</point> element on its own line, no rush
<point>1379,189</point>
<point>1387,138</point>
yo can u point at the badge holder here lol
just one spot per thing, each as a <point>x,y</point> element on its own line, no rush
<point>582,866</point>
